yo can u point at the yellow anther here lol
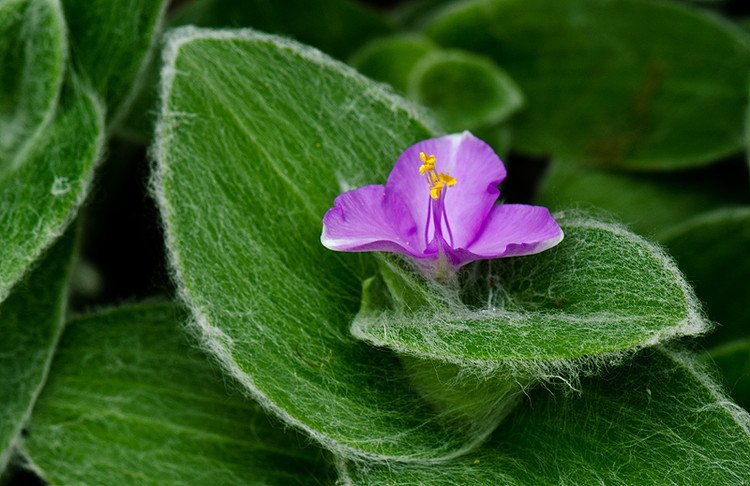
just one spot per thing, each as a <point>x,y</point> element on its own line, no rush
<point>447,180</point>
<point>435,190</point>
<point>428,163</point>
<point>438,182</point>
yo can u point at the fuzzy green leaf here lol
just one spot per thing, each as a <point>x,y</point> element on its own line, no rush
<point>32,55</point>
<point>130,401</point>
<point>40,197</point>
<point>711,250</point>
<point>628,83</point>
<point>270,149</point>
<point>603,290</point>
<point>658,420</point>
<point>110,42</point>
<point>650,204</point>
<point>31,321</point>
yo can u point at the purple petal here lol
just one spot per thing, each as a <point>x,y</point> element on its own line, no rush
<point>512,230</point>
<point>365,219</point>
<point>477,169</point>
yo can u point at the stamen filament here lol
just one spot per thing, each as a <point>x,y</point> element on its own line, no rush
<point>445,218</point>
<point>427,225</point>
<point>438,184</point>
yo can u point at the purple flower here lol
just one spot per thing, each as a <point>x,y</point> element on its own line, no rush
<point>439,205</point>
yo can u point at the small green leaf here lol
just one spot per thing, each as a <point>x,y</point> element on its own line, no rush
<point>634,84</point>
<point>391,59</point>
<point>657,420</point>
<point>130,401</point>
<point>466,91</point>
<point>31,321</point>
<point>711,250</point>
<point>733,360</point>
<point>271,150</point>
<point>600,292</point>
<point>110,43</point>
<point>32,55</point>
<point>648,203</point>
<point>41,196</point>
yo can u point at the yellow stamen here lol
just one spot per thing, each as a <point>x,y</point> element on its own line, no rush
<point>435,190</point>
<point>447,180</point>
<point>428,163</point>
<point>435,180</point>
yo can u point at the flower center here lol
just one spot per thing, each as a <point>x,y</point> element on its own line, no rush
<point>438,183</point>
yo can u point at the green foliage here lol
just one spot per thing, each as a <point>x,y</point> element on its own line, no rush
<point>274,305</point>
<point>539,315</point>
<point>32,53</point>
<point>130,401</point>
<point>392,59</point>
<point>338,27</point>
<point>40,198</point>
<point>546,369</point>
<point>657,420</point>
<point>648,203</point>
<point>710,249</point>
<point>464,91</point>
<point>605,81</point>
<point>31,321</point>
<point>733,360</point>
<point>110,41</point>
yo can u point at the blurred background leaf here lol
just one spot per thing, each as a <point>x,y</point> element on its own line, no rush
<point>733,360</point>
<point>711,250</point>
<point>40,198</point>
<point>337,27</point>
<point>110,42</point>
<point>32,57</point>
<point>607,83</point>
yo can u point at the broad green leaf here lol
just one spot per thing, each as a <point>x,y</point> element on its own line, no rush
<point>31,321</point>
<point>32,55</point>
<point>110,43</point>
<point>635,84</point>
<point>711,250</point>
<point>130,401</point>
<point>648,203</point>
<point>657,420</point>
<point>392,59</point>
<point>464,90</point>
<point>733,360</point>
<point>601,291</point>
<point>41,196</point>
<point>250,156</point>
